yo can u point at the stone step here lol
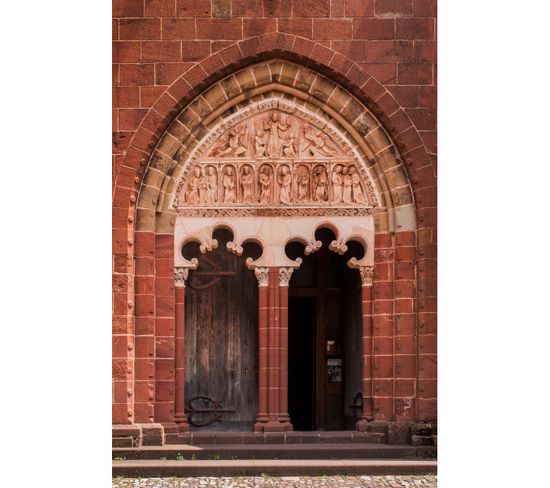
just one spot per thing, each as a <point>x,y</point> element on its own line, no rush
<point>294,437</point>
<point>278,467</point>
<point>274,451</point>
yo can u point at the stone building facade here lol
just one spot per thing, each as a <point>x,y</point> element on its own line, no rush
<point>274,215</point>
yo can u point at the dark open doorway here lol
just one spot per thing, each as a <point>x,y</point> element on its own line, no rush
<point>301,361</point>
<point>324,360</point>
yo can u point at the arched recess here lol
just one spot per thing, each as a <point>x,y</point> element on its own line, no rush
<point>370,129</point>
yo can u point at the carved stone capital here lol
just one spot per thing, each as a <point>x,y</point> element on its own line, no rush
<point>367,274</point>
<point>180,275</point>
<point>262,276</point>
<point>284,276</point>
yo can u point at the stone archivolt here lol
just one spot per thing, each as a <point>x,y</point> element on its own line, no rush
<point>277,157</point>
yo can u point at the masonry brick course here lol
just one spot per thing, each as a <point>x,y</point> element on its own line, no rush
<point>163,52</point>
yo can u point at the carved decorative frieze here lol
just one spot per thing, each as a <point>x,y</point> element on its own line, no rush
<point>180,275</point>
<point>284,276</point>
<point>262,276</point>
<point>277,156</point>
<point>274,212</point>
<point>367,275</point>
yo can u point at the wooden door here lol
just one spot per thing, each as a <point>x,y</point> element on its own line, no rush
<point>221,337</point>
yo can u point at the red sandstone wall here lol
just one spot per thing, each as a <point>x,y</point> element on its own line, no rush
<point>155,41</point>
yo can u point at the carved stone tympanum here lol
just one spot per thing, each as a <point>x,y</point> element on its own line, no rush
<point>274,158</point>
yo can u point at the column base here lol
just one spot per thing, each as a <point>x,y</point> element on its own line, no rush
<point>273,426</point>
<point>181,422</point>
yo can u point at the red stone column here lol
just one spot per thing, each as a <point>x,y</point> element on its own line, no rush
<point>284,279</point>
<point>273,352</point>
<point>273,344</point>
<point>262,418</point>
<point>367,273</point>
<point>180,275</point>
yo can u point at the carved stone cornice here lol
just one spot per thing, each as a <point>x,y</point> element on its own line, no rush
<point>180,275</point>
<point>367,275</point>
<point>284,276</point>
<point>262,276</point>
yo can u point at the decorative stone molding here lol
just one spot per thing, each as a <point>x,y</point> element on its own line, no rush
<point>284,276</point>
<point>180,275</point>
<point>367,275</point>
<point>272,234</point>
<point>262,276</point>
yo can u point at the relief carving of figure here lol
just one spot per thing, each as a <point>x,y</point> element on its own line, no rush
<point>337,182</point>
<point>358,194</point>
<point>196,190</point>
<point>346,177</point>
<point>303,183</point>
<point>265,180</point>
<point>259,143</point>
<point>289,145</point>
<point>320,184</point>
<point>221,145</point>
<point>285,181</point>
<point>234,144</point>
<point>247,184</point>
<point>229,185</point>
<point>275,125</point>
<point>318,143</point>
<point>211,185</point>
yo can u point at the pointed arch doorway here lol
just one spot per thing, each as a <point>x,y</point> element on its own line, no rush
<point>273,167</point>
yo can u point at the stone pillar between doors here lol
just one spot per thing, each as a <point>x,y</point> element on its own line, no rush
<point>180,275</point>
<point>273,349</point>
<point>367,273</point>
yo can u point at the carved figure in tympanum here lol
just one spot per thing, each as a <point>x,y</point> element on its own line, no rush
<point>337,183</point>
<point>265,180</point>
<point>228,182</point>
<point>302,181</point>
<point>317,143</point>
<point>233,144</point>
<point>259,143</point>
<point>346,179</point>
<point>358,193</point>
<point>284,178</point>
<point>196,190</point>
<point>247,184</point>
<point>320,184</point>
<point>275,125</point>
<point>211,184</point>
<point>289,145</point>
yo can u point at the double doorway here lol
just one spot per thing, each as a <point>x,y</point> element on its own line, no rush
<point>324,336</point>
